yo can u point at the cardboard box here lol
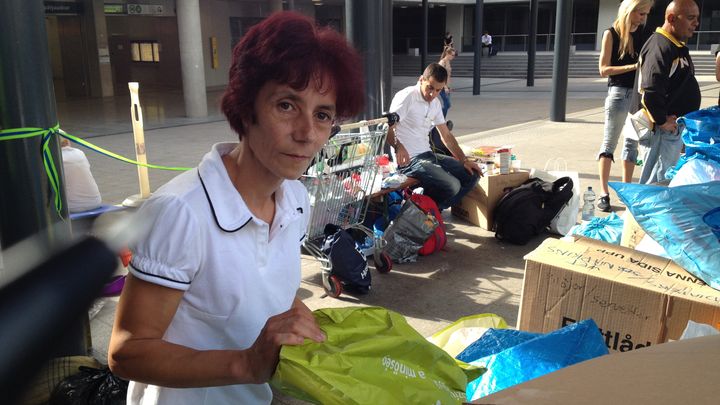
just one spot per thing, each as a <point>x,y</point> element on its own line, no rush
<point>682,372</point>
<point>637,299</point>
<point>478,205</point>
<point>632,232</point>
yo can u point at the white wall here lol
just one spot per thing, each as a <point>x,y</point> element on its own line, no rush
<point>454,23</point>
<point>607,11</point>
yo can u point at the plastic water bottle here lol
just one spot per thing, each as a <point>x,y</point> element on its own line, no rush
<point>588,209</point>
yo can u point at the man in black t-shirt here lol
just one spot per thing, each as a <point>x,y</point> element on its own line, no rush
<point>667,88</point>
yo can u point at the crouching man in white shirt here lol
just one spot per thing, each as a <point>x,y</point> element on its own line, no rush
<point>81,191</point>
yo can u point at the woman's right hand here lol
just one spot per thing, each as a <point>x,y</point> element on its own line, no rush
<point>288,328</point>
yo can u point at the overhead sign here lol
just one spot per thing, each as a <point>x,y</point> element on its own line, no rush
<point>144,9</point>
<point>63,7</point>
<point>114,9</point>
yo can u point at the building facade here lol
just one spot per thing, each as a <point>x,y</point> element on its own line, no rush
<point>97,46</point>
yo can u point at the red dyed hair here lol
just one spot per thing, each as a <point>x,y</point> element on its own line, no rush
<point>288,48</point>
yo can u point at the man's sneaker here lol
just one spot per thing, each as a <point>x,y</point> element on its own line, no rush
<point>604,204</point>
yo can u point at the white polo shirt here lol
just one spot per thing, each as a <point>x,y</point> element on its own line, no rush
<point>417,117</point>
<point>236,270</point>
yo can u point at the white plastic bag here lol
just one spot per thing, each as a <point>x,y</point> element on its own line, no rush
<point>637,126</point>
<point>567,217</point>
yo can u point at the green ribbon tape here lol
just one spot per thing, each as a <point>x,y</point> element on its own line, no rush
<point>113,155</point>
<point>49,163</point>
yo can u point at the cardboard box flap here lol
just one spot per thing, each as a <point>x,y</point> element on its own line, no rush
<point>683,372</point>
<point>625,266</point>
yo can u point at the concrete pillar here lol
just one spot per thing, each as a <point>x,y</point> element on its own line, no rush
<point>191,57</point>
<point>349,20</point>
<point>275,5</point>
<point>454,24</point>
<point>101,81</point>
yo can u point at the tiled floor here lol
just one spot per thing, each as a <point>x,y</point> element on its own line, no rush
<point>91,117</point>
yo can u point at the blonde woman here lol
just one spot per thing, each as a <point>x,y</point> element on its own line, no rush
<point>447,56</point>
<point>621,46</point>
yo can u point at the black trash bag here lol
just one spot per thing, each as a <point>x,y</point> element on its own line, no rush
<point>91,386</point>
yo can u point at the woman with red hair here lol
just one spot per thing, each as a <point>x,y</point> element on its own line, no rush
<point>210,298</point>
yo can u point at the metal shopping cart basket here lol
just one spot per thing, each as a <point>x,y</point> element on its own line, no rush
<point>340,181</point>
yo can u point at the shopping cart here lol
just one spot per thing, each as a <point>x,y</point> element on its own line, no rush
<point>339,182</point>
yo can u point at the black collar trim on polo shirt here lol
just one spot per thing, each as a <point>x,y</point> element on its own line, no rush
<point>212,208</point>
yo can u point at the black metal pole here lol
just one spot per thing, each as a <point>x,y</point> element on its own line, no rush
<point>424,39</point>
<point>376,50</point>
<point>532,42</point>
<point>561,60</point>
<point>386,54</point>
<point>477,45</point>
<point>27,100</point>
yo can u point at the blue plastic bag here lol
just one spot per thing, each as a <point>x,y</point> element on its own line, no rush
<point>607,229</point>
<point>494,341</point>
<point>536,357</point>
<point>702,132</point>
<point>674,217</point>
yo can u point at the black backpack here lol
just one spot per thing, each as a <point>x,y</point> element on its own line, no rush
<point>348,263</point>
<point>527,210</point>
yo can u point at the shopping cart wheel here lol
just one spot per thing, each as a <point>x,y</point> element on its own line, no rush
<point>383,263</point>
<point>335,286</point>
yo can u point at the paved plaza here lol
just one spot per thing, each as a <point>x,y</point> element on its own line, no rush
<point>474,274</point>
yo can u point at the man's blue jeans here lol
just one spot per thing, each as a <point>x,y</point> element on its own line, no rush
<point>443,178</point>
<point>660,153</point>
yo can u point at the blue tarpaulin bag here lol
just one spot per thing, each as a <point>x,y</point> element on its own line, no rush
<point>677,218</point>
<point>607,229</point>
<point>702,127</point>
<point>494,341</point>
<point>702,132</point>
<point>536,357</point>
<point>701,136</point>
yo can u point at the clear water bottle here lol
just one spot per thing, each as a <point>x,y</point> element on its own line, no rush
<point>588,209</point>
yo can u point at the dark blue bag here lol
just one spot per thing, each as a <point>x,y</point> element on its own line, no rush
<point>349,264</point>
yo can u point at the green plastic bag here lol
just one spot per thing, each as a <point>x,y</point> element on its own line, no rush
<point>371,356</point>
<point>460,334</point>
